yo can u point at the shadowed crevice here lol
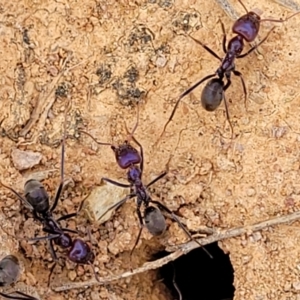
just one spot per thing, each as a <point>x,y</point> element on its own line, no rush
<point>199,277</point>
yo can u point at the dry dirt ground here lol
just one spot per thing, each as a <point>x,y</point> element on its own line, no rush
<point>104,57</point>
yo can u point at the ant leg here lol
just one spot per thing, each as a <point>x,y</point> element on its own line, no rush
<point>65,217</point>
<point>14,297</point>
<point>175,218</point>
<point>239,74</point>
<point>62,228</point>
<point>88,231</point>
<point>52,251</point>
<point>57,196</point>
<point>224,37</point>
<point>51,271</point>
<point>22,199</point>
<point>256,46</point>
<point>246,10</point>
<point>61,184</point>
<point>62,167</point>
<point>189,90</point>
<point>37,217</point>
<point>54,257</point>
<point>116,205</point>
<point>123,185</point>
<point>206,48</point>
<point>46,237</point>
<point>156,179</point>
<point>138,210</point>
<point>227,85</point>
<point>174,282</point>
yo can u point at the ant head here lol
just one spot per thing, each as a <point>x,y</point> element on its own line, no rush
<point>64,240</point>
<point>9,270</point>
<point>126,155</point>
<point>154,221</point>
<point>247,26</point>
<point>36,195</point>
<point>81,252</point>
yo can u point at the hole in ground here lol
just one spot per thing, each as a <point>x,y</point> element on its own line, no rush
<point>198,276</point>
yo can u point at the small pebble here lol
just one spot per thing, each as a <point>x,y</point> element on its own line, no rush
<point>72,275</point>
<point>23,160</point>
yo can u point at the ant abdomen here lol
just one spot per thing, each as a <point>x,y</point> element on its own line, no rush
<point>247,26</point>
<point>126,155</point>
<point>9,273</point>
<point>154,221</point>
<point>9,270</point>
<point>36,195</point>
<point>212,94</point>
<point>81,253</point>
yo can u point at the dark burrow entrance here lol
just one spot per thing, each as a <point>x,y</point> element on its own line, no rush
<point>199,277</point>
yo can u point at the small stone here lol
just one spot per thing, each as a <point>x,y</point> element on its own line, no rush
<point>96,206</point>
<point>161,61</point>
<point>296,285</point>
<point>251,192</point>
<point>72,275</point>
<point>23,160</point>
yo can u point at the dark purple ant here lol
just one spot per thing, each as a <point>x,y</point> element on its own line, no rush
<point>9,274</point>
<point>37,200</point>
<point>129,158</point>
<point>246,28</point>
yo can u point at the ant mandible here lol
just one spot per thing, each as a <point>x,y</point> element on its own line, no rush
<point>129,158</point>
<point>246,28</point>
<point>37,200</point>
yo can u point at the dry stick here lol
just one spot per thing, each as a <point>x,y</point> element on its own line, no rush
<point>44,101</point>
<point>44,104</point>
<point>292,5</point>
<point>229,10</point>
<point>184,249</point>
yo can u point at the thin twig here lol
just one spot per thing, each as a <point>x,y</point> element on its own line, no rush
<point>184,249</point>
<point>228,8</point>
<point>44,101</point>
<point>292,5</point>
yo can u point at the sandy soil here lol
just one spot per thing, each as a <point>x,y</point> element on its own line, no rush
<point>106,56</point>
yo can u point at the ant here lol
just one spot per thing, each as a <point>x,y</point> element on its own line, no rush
<point>129,158</point>
<point>246,28</point>
<point>9,273</point>
<point>37,200</point>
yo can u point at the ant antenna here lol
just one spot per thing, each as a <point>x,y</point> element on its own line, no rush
<point>245,8</point>
<point>88,230</point>
<point>99,143</point>
<point>94,271</point>
<point>280,21</point>
<point>130,136</point>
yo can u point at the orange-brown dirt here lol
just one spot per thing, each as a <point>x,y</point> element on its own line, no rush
<point>104,57</point>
